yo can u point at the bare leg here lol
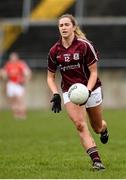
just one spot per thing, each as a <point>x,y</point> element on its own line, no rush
<point>97,122</point>
<point>78,115</point>
<point>96,119</point>
<point>18,107</point>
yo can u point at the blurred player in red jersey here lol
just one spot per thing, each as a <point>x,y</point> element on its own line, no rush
<point>77,59</point>
<point>17,74</point>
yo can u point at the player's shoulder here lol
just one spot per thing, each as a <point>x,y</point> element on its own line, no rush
<point>21,63</point>
<point>87,44</point>
<point>54,47</point>
<point>7,64</point>
<point>85,41</point>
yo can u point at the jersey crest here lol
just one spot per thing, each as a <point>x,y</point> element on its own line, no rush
<point>76,56</point>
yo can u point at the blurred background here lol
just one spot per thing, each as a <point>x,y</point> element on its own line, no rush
<point>29,27</point>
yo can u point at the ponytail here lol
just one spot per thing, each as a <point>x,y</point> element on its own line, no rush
<point>79,33</point>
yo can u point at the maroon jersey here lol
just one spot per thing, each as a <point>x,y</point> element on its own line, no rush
<point>73,62</point>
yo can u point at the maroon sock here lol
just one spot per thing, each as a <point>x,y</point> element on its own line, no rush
<point>93,153</point>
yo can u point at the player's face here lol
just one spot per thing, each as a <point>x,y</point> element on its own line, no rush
<point>13,57</point>
<point>66,27</point>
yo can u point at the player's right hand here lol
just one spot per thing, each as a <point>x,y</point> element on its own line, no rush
<point>56,103</point>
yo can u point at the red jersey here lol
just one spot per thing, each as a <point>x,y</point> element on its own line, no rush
<point>73,62</point>
<point>15,71</point>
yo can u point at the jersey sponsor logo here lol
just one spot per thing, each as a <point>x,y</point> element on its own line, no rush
<point>65,68</point>
<point>76,56</point>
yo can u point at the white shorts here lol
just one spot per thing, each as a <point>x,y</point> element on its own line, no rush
<point>14,89</point>
<point>94,100</point>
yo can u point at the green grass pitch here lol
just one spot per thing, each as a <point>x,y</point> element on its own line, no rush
<point>47,146</point>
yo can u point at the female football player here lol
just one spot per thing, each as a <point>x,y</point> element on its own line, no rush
<point>77,60</point>
<point>17,73</point>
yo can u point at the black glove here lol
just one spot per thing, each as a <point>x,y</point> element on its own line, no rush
<point>87,98</point>
<point>56,106</point>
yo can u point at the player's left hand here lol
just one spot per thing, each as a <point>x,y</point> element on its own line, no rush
<point>56,100</point>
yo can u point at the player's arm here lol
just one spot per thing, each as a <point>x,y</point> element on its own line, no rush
<point>0,73</point>
<point>3,74</point>
<point>92,79</point>
<point>93,76</point>
<point>56,99</point>
<point>91,60</point>
<point>27,74</point>
<point>26,71</point>
<point>51,82</point>
<point>52,66</point>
